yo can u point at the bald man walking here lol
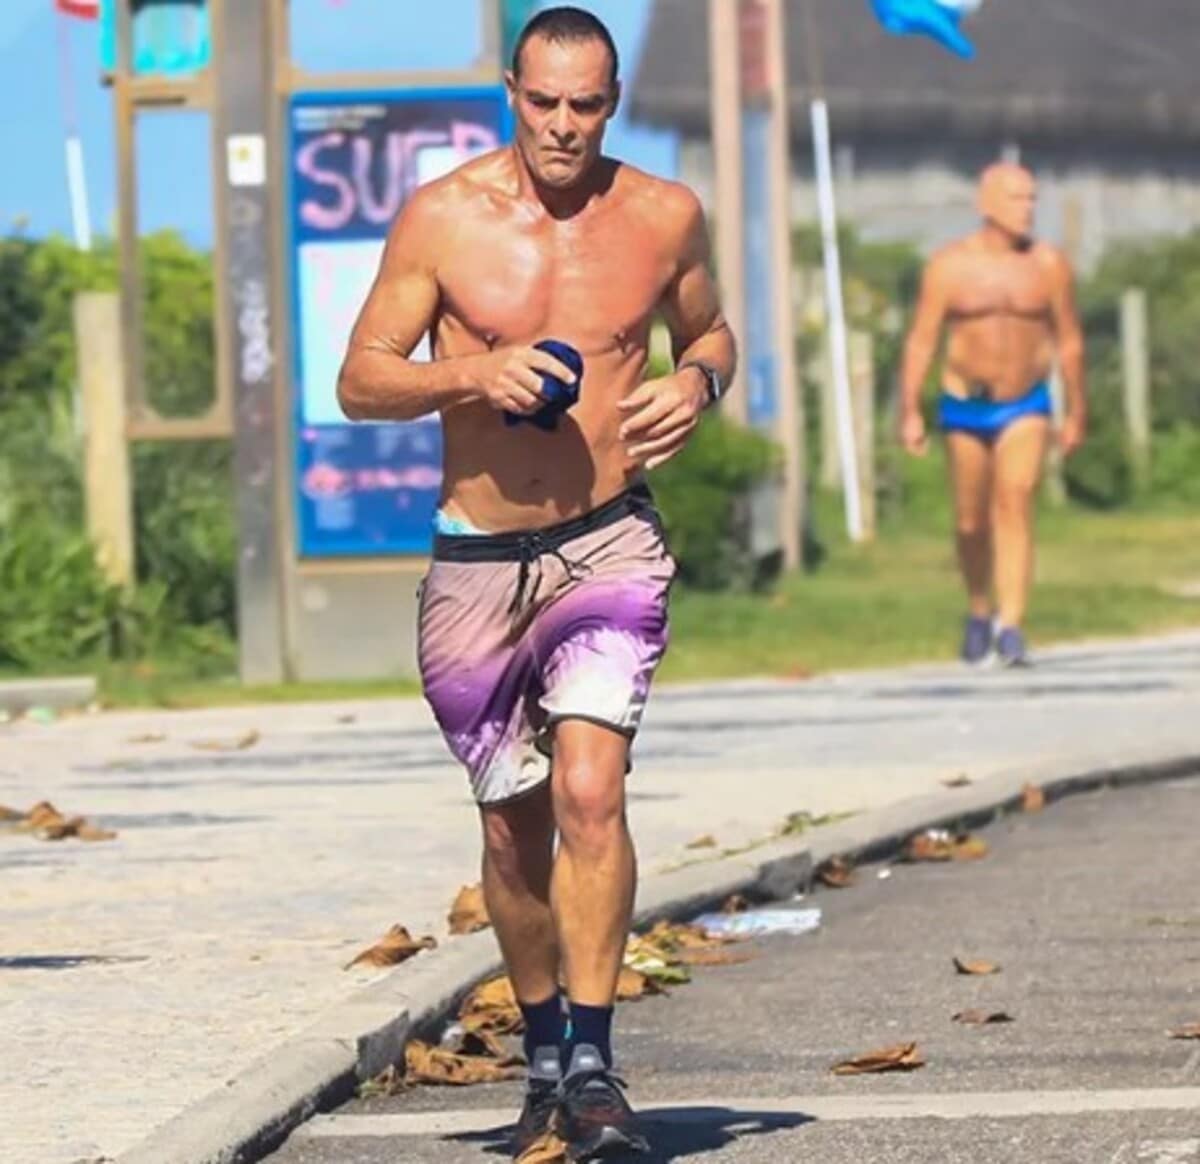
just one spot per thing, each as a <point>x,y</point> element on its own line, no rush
<point>1008,305</point>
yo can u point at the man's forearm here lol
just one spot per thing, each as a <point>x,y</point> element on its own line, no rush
<point>716,348</point>
<point>380,385</point>
<point>918,358</point>
<point>1074,375</point>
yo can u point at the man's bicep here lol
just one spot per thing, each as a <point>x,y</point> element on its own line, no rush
<point>691,304</point>
<point>1066,312</point>
<point>402,303</point>
<point>691,307</point>
<point>931,303</point>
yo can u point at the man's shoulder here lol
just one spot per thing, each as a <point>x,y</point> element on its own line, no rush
<point>664,195</point>
<point>1051,258</point>
<point>475,185</point>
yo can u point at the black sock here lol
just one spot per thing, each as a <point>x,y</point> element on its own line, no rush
<point>545,1024</point>
<point>592,1024</point>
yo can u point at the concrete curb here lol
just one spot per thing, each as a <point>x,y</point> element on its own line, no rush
<point>19,695</point>
<point>254,1113</point>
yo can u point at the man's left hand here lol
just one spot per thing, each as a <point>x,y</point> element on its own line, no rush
<point>661,414</point>
<point>1070,437</point>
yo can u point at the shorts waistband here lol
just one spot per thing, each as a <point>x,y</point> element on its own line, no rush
<point>526,545</point>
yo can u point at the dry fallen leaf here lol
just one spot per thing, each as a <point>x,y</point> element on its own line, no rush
<point>1033,799</point>
<point>708,841</point>
<point>1189,1031</point>
<point>799,672</point>
<point>982,1017</point>
<point>633,984</point>
<point>396,946</point>
<point>970,849</point>
<point>904,1057</point>
<point>546,1149</point>
<point>7,813</point>
<point>469,911</point>
<point>976,968</point>
<point>837,873</point>
<point>436,1065</point>
<point>48,824</point>
<point>959,781</point>
<point>938,845</point>
<point>492,1006</point>
<point>390,1081</point>
<point>147,738</point>
<point>248,740</point>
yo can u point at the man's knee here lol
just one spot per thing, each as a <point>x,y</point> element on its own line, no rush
<point>516,834</point>
<point>971,526</point>
<point>589,803</point>
<point>1013,502</point>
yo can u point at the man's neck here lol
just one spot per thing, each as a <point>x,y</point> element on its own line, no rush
<point>999,241</point>
<point>562,203</point>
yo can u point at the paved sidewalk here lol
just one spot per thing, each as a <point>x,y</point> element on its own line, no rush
<point>138,975</point>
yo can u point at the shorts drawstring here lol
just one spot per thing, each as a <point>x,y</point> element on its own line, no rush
<point>532,548</point>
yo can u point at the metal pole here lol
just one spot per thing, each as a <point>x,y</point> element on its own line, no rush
<point>836,315</point>
<point>779,184</point>
<point>835,306</point>
<point>242,49</point>
<point>726,113</point>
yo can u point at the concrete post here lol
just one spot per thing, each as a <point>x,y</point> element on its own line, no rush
<point>1135,361</point>
<point>108,493</point>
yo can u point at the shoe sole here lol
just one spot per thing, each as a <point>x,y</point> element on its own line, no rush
<point>610,1144</point>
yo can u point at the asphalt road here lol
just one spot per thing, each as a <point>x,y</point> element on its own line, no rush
<point>1091,909</point>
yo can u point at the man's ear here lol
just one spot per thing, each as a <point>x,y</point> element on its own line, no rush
<point>510,85</point>
<point>614,99</point>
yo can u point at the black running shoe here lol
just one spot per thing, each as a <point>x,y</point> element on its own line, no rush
<point>596,1121</point>
<point>542,1095</point>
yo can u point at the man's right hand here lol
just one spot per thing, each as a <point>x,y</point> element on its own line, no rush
<point>510,379</point>
<point>912,434</point>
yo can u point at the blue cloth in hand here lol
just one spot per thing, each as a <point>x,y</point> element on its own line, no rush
<point>558,394</point>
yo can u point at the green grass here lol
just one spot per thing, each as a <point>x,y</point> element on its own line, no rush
<point>896,601</point>
<point>900,600</point>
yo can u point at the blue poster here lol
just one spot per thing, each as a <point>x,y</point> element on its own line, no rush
<point>364,489</point>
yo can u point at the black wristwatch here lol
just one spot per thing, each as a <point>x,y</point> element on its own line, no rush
<point>712,380</point>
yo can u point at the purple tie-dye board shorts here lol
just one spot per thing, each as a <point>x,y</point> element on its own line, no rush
<point>519,631</point>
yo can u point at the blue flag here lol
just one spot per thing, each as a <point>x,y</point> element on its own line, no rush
<point>938,19</point>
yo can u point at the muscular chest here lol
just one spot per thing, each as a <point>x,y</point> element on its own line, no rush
<point>591,284</point>
<point>1017,285</point>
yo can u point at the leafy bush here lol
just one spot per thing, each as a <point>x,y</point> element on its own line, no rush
<point>699,492</point>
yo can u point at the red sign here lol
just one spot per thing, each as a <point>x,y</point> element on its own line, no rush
<point>87,9</point>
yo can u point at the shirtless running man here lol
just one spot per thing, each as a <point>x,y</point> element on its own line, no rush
<point>544,613</point>
<point>1010,305</point>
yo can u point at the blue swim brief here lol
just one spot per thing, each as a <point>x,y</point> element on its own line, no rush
<point>989,418</point>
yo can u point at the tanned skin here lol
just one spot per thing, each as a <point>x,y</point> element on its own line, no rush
<point>547,238</point>
<point>1007,305</point>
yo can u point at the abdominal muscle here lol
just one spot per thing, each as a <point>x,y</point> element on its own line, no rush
<point>501,478</point>
<point>1010,353</point>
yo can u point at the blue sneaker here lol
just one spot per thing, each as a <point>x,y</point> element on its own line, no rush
<point>1011,649</point>
<point>977,641</point>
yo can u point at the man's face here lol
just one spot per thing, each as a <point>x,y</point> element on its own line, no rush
<point>562,102</point>
<point>1008,200</point>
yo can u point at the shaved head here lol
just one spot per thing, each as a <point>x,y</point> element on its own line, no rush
<point>1007,195</point>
